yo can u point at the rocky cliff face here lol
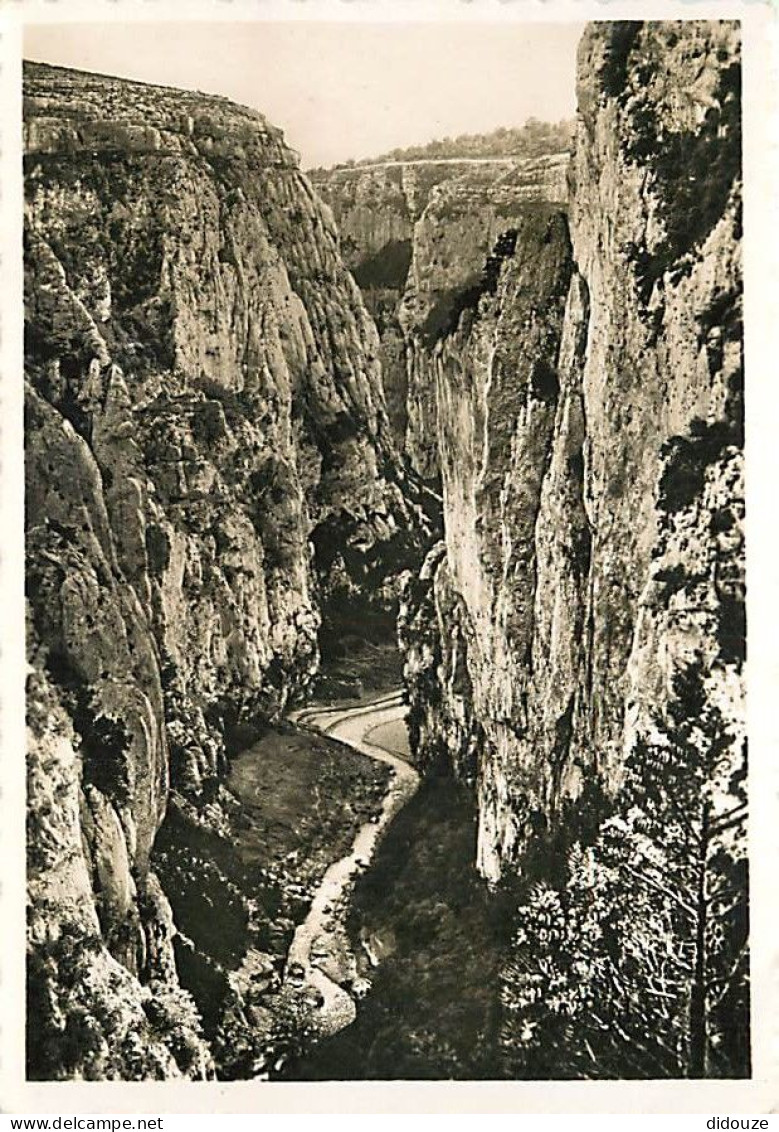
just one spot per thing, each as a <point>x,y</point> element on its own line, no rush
<point>209,462</point>
<point>468,223</point>
<point>375,209</point>
<point>590,435</point>
<point>415,235</point>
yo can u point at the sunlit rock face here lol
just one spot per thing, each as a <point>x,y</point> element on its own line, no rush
<point>415,235</point>
<point>208,459</point>
<point>590,437</point>
<point>375,209</point>
<point>461,226</point>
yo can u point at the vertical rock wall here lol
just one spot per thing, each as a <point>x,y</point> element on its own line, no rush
<point>415,235</point>
<point>376,209</point>
<point>590,432</point>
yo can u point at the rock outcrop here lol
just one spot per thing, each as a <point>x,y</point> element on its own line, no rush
<point>590,429</point>
<point>466,230</point>
<point>375,209</point>
<point>209,462</point>
<point>415,235</point>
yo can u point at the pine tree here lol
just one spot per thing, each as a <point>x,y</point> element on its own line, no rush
<point>638,965</point>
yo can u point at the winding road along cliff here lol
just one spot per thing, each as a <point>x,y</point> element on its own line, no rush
<point>320,957</point>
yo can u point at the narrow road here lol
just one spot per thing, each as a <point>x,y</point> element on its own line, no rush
<point>319,956</point>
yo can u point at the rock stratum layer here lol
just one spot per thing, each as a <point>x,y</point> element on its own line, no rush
<point>590,428</point>
<point>209,462</point>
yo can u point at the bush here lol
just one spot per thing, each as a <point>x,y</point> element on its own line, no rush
<point>694,171</point>
<point>208,422</point>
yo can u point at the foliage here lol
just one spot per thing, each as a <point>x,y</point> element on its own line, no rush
<point>293,804</point>
<point>352,665</point>
<point>694,170</point>
<point>360,575</point>
<point>533,139</point>
<point>57,1043</point>
<point>174,1021</point>
<point>104,740</point>
<point>619,37</point>
<point>237,406</point>
<point>87,1017</point>
<point>105,746</point>
<point>433,1008</point>
<point>106,225</point>
<point>157,549</point>
<point>209,425</point>
<point>637,965</point>
<point>688,457</point>
<point>208,904</point>
<point>687,463</point>
<point>247,1049</point>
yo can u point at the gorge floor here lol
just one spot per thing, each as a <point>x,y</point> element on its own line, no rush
<point>421,928</point>
<point>430,938</point>
<point>241,871</point>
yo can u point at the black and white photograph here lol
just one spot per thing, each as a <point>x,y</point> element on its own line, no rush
<point>384,551</point>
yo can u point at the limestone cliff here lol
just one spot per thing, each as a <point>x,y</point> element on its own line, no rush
<point>590,434</point>
<point>209,462</point>
<point>375,209</point>
<point>415,234</point>
<point>468,222</point>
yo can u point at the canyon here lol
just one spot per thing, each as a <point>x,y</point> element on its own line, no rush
<point>499,401</point>
<point>416,235</point>
<point>208,463</point>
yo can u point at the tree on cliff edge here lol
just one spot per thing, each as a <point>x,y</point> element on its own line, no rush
<point>638,965</point>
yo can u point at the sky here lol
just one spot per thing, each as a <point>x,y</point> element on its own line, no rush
<point>342,90</point>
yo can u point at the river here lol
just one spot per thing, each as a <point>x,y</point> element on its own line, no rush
<point>320,957</point>
<point>404,918</point>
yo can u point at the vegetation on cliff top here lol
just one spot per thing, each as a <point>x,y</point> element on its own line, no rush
<point>534,139</point>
